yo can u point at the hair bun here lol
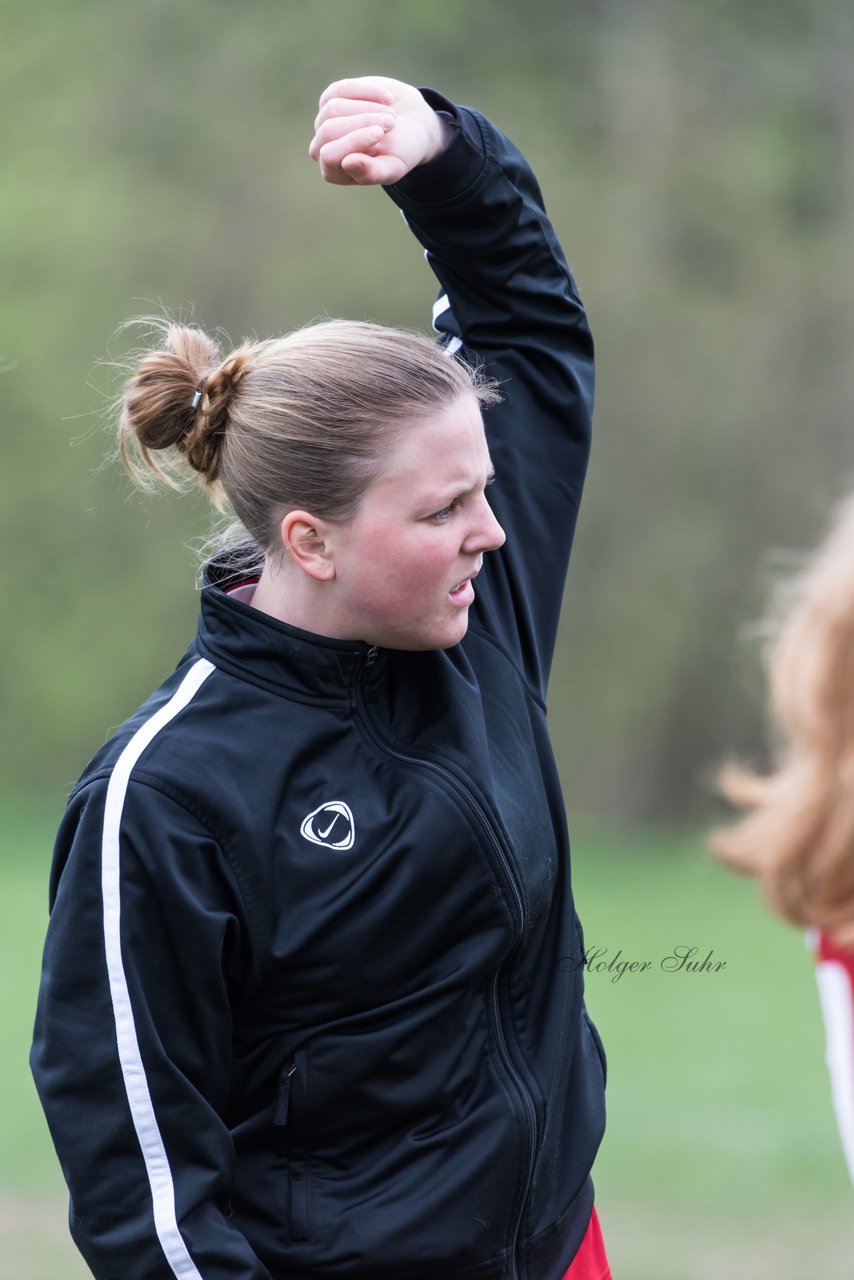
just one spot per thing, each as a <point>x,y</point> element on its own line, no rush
<point>203,441</point>
<point>178,396</point>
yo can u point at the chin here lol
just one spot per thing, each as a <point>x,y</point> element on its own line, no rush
<point>445,638</point>
<point>451,636</point>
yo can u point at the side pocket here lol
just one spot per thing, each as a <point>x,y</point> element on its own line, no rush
<point>288,1118</point>
<point>597,1044</point>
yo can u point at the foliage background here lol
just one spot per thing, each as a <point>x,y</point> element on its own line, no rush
<point>697,160</point>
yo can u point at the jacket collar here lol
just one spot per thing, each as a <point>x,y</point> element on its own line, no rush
<point>255,647</point>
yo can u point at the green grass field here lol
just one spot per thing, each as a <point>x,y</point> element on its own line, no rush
<point>721,1160</point>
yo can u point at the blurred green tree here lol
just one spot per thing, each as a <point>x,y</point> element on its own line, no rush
<point>698,163</point>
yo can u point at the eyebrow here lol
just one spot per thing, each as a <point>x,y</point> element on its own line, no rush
<point>451,495</point>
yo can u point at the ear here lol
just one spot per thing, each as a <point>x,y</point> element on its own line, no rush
<point>306,540</point>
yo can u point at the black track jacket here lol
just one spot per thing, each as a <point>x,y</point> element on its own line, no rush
<point>312,992</point>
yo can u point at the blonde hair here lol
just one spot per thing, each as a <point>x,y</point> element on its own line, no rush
<point>301,421</point>
<point>798,838</point>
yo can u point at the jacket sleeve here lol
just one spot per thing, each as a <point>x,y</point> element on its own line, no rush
<point>509,303</point>
<point>133,1036</point>
<point>835,977</point>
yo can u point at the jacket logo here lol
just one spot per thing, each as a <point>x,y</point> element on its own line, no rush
<point>332,824</point>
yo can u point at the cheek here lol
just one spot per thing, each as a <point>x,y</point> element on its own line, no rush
<point>408,573</point>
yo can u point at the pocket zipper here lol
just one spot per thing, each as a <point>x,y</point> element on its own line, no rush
<point>283,1096</point>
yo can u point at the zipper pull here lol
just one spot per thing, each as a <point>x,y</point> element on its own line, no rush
<point>283,1096</point>
<point>371,655</point>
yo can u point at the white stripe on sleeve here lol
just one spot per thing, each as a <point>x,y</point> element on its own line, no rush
<point>835,993</point>
<point>133,1071</point>
<point>440,306</point>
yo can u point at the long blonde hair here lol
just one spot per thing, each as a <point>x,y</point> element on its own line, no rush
<point>798,838</point>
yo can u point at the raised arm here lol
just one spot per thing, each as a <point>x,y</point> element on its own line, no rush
<point>509,302</point>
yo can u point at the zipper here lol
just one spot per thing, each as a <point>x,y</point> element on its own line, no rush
<point>297,1156</point>
<point>530,1113</point>
<point>283,1096</point>
<point>488,830</point>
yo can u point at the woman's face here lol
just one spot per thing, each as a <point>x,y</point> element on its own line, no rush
<point>404,563</point>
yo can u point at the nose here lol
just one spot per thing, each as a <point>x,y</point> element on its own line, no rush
<point>486,533</point>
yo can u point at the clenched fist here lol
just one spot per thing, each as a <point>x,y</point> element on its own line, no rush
<point>373,130</point>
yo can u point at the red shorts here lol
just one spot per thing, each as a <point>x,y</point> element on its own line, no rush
<point>590,1262</point>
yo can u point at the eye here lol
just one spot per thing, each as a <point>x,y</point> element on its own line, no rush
<point>445,514</point>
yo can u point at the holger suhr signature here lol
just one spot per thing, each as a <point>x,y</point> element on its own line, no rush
<point>681,959</point>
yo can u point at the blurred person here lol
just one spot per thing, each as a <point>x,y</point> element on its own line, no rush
<point>312,996</point>
<point>797,837</point>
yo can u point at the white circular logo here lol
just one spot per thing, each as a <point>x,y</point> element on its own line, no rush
<point>331,824</point>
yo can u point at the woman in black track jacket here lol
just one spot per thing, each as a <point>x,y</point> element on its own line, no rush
<point>312,992</point>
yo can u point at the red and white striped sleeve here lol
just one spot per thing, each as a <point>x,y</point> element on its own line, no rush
<point>835,976</point>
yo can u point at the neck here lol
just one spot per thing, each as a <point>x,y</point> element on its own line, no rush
<point>293,597</point>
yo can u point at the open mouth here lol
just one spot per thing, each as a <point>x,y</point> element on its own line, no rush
<point>463,592</point>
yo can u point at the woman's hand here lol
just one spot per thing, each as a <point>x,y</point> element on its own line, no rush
<point>373,130</point>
